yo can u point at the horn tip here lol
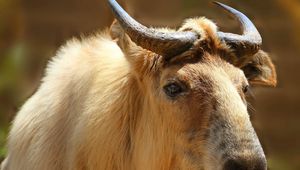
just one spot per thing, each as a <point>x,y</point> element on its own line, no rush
<point>110,1</point>
<point>225,7</point>
<point>218,3</point>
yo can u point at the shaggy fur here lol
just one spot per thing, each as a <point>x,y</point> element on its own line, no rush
<point>101,106</point>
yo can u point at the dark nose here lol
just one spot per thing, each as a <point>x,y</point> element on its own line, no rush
<point>240,164</point>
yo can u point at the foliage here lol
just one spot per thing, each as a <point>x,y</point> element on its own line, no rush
<point>3,134</point>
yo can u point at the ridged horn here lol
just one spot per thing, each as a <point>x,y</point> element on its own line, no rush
<point>246,44</point>
<point>166,44</point>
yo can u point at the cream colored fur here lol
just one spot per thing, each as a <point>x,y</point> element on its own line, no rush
<point>97,109</point>
<point>81,83</point>
<point>84,113</point>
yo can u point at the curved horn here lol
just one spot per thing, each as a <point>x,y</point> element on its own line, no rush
<point>166,44</point>
<point>250,40</point>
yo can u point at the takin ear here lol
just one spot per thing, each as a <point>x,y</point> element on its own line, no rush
<point>128,47</point>
<point>260,70</point>
<point>118,34</point>
<point>137,56</point>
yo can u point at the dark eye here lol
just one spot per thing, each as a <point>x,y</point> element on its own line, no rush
<point>246,89</point>
<point>173,89</point>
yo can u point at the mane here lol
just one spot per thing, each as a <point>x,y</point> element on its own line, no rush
<point>117,118</point>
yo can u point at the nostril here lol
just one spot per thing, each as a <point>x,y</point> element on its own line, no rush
<point>234,165</point>
<point>239,164</point>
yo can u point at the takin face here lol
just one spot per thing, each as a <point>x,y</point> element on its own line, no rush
<point>197,78</point>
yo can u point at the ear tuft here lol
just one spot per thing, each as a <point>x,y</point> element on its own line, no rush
<point>116,30</point>
<point>134,54</point>
<point>260,70</point>
<point>122,39</point>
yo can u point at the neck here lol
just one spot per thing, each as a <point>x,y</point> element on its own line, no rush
<point>126,131</point>
<point>142,137</point>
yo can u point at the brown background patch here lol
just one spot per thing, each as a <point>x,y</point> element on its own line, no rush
<point>32,30</point>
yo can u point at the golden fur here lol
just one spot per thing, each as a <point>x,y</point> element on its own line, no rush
<point>100,106</point>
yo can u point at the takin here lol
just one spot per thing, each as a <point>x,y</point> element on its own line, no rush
<point>140,98</point>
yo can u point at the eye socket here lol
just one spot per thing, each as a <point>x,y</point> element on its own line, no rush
<point>246,89</point>
<point>173,89</point>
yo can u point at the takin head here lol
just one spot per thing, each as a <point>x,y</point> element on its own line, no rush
<point>197,77</point>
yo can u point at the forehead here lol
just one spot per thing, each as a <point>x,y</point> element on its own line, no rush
<point>209,68</point>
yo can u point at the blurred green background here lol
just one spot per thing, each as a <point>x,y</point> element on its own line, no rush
<point>32,30</point>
